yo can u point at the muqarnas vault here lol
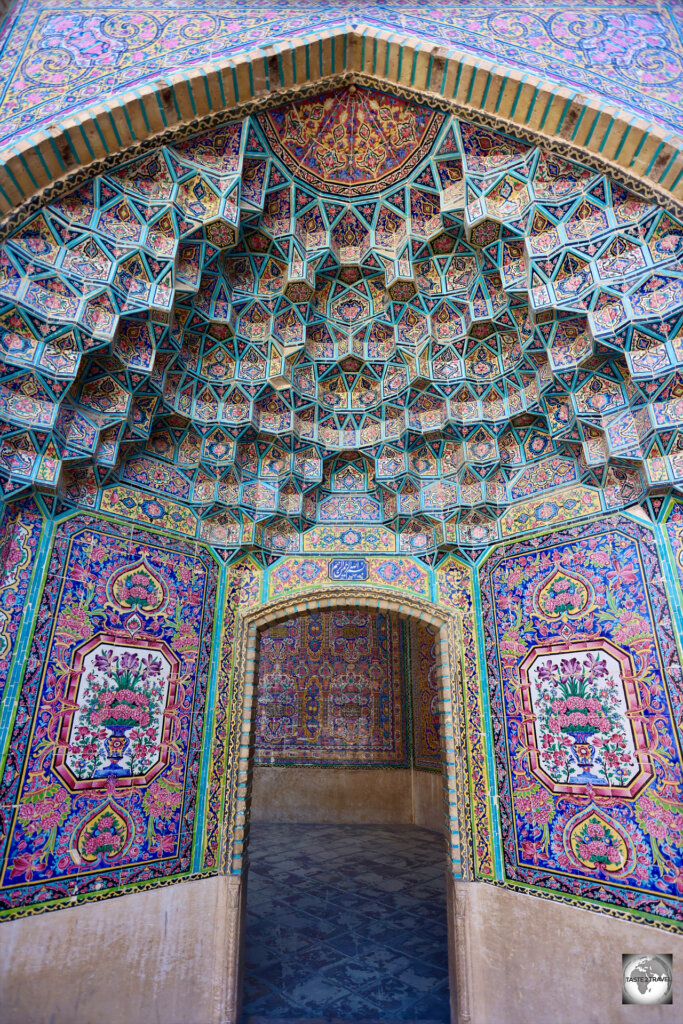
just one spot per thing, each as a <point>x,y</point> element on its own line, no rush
<point>348,326</point>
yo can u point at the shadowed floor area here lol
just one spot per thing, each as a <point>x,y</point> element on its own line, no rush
<point>346,923</point>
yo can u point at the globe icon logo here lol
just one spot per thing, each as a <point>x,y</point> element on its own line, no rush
<point>647,980</point>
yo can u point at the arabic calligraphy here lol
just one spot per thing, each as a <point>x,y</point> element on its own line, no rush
<point>348,569</point>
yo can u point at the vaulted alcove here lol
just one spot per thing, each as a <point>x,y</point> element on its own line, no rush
<point>341,395</point>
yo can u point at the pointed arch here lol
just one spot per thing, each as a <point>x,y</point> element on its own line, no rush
<point>451,711</point>
<point>540,111</point>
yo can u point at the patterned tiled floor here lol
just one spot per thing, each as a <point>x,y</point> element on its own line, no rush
<point>346,923</point>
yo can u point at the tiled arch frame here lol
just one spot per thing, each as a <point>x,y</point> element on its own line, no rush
<point>642,155</point>
<point>451,710</point>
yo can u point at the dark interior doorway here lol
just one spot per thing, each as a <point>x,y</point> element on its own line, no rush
<point>346,904</point>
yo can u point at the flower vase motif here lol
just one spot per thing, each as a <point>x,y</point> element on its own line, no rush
<point>122,704</point>
<point>118,729</point>
<point>115,745</point>
<point>584,753</point>
<point>578,706</point>
<point>578,710</point>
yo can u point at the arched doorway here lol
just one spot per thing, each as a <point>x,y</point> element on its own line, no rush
<point>408,614</point>
<point>346,901</point>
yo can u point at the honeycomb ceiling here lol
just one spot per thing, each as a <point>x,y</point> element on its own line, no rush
<point>349,309</point>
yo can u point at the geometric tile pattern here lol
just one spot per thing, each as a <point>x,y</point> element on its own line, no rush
<point>60,59</point>
<point>348,312</point>
<point>346,923</point>
<point>587,704</point>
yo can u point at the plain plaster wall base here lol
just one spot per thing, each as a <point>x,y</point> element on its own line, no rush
<point>358,796</point>
<point>171,956</point>
<point>167,956</point>
<point>428,804</point>
<point>520,959</point>
<point>353,796</point>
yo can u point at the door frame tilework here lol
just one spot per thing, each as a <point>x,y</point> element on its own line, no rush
<point>244,586</point>
<point>452,717</point>
<point>455,585</point>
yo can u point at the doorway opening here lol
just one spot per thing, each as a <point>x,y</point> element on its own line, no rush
<point>346,888</point>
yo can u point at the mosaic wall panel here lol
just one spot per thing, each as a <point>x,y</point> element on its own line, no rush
<point>585,688</point>
<point>101,781</point>
<point>395,573</point>
<point>293,573</point>
<point>19,536</point>
<point>59,59</point>
<point>331,691</point>
<point>425,695</point>
<point>336,689</point>
<point>129,503</point>
<point>563,506</point>
<point>401,574</point>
